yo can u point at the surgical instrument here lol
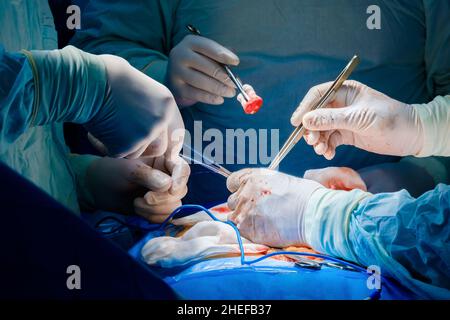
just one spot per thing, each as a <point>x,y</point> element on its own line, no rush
<point>205,162</point>
<point>300,130</point>
<point>306,263</point>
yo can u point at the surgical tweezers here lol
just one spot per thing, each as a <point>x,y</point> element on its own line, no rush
<point>300,130</point>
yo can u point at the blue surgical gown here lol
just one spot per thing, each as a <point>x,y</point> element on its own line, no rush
<point>407,238</point>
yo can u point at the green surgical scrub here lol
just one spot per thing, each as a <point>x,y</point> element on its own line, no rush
<point>31,117</point>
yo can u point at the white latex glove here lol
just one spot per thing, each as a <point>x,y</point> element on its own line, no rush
<point>138,111</point>
<point>337,178</point>
<point>269,206</point>
<point>150,187</point>
<point>195,73</point>
<point>362,117</point>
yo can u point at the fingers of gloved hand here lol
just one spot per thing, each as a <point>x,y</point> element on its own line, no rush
<point>330,153</point>
<point>328,177</point>
<point>154,213</point>
<point>245,221</point>
<point>160,164</point>
<point>345,96</point>
<point>234,199</point>
<point>180,172</point>
<point>157,198</point>
<point>239,212</point>
<point>316,175</point>
<point>351,180</point>
<point>182,102</point>
<point>212,50</point>
<point>150,178</point>
<point>329,119</point>
<point>311,98</point>
<point>176,139</point>
<point>157,147</point>
<point>311,137</point>
<point>243,202</point>
<point>249,91</point>
<point>337,138</point>
<point>236,179</point>
<point>338,178</point>
<point>209,67</point>
<point>149,161</point>
<point>322,144</point>
<point>204,82</point>
<point>191,93</point>
<point>176,134</point>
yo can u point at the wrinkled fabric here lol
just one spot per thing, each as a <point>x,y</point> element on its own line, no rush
<point>31,116</point>
<point>407,238</point>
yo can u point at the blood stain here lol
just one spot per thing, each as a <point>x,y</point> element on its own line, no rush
<point>223,209</point>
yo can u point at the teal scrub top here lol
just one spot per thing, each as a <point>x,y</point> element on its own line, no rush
<point>39,153</point>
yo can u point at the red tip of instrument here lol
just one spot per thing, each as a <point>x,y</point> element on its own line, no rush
<point>253,105</point>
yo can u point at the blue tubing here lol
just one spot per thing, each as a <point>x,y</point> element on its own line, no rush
<point>375,295</point>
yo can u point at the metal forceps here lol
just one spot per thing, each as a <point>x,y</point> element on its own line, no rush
<point>298,132</point>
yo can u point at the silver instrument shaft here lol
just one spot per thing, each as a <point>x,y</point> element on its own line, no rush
<point>298,132</point>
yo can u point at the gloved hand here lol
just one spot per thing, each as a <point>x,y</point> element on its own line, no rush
<point>137,113</point>
<point>269,206</point>
<point>362,117</point>
<point>156,206</point>
<point>150,187</point>
<point>337,178</point>
<point>120,106</point>
<point>195,74</point>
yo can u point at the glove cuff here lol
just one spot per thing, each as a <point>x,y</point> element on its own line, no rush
<point>434,118</point>
<point>306,193</point>
<point>70,85</point>
<point>327,219</point>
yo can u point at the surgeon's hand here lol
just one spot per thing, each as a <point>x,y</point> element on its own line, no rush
<point>195,73</point>
<point>138,113</point>
<point>362,117</point>
<point>148,186</point>
<point>269,206</point>
<point>337,178</point>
